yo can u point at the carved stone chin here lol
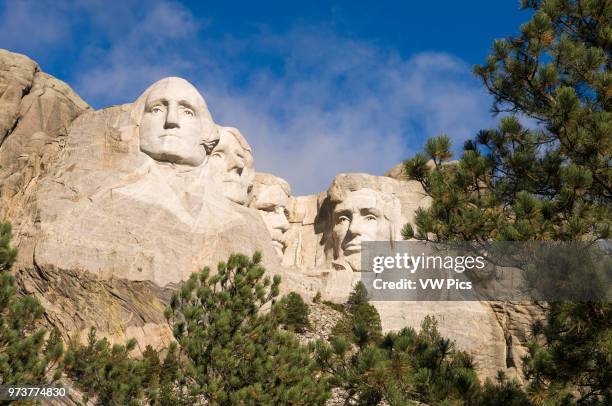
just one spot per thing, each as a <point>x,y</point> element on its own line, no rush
<point>174,122</point>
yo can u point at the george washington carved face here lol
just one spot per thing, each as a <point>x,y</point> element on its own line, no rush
<point>175,124</point>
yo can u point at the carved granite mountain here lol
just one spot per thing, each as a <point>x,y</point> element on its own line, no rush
<point>112,209</point>
<point>105,223</point>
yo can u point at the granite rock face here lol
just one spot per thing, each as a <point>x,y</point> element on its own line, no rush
<point>325,233</point>
<point>112,209</point>
<point>35,110</point>
<point>109,207</point>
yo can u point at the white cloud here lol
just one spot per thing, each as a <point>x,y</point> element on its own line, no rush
<point>142,50</point>
<point>333,104</point>
<point>340,106</point>
<point>32,26</point>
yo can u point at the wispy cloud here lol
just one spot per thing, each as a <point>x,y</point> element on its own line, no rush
<point>33,26</point>
<point>340,106</point>
<point>328,104</point>
<point>144,48</point>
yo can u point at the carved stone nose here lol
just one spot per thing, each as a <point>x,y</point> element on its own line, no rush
<point>235,165</point>
<point>355,228</point>
<point>283,223</point>
<point>171,118</point>
<point>278,220</point>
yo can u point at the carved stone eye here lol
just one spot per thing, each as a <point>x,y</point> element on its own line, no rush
<point>371,217</point>
<point>188,112</point>
<point>156,110</point>
<point>342,219</point>
<point>281,210</point>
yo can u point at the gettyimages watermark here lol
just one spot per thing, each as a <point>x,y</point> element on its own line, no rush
<point>541,271</point>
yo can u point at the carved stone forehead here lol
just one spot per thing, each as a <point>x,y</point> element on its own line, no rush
<point>360,199</point>
<point>345,183</point>
<point>376,191</point>
<point>269,197</point>
<point>230,138</point>
<point>266,180</point>
<point>173,88</point>
<point>269,191</point>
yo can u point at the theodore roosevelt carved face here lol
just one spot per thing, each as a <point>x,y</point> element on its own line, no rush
<point>270,198</point>
<point>175,124</point>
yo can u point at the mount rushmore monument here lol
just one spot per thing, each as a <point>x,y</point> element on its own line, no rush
<point>112,209</point>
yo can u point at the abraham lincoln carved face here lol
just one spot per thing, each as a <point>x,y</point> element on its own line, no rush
<point>363,208</point>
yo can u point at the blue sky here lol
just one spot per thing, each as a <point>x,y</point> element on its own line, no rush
<point>317,88</point>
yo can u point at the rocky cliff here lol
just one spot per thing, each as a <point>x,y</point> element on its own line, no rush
<point>113,209</point>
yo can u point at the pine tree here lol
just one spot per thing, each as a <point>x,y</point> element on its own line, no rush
<point>361,324</point>
<point>550,182</point>
<point>29,354</point>
<point>108,374</point>
<point>295,312</point>
<point>233,353</point>
<point>405,367</point>
<point>228,350</point>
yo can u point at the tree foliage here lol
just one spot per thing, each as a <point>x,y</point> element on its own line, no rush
<point>403,367</point>
<point>361,324</point>
<point>549,181</point>
<point>29,354</point>
<point>295,313</point>
<point>231,351</point>
<point>106,371</point>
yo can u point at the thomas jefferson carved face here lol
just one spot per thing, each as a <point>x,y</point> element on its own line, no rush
<point>175,123</point>
<point>271,201</point>
<point>231,165</point>
<point>358,217</point>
